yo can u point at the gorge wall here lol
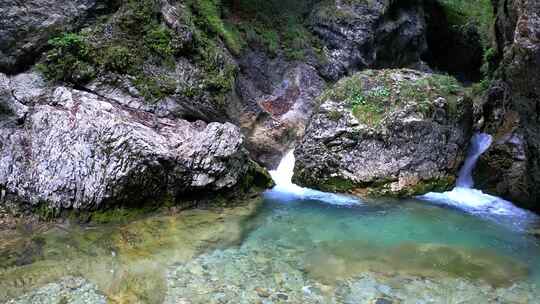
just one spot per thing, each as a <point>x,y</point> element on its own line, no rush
<point>511,167</point>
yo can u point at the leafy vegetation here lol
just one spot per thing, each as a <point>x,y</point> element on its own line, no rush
<point>70,59</point>
<point>277,26</point>
<point>461,13</point>
<point>464,15</point>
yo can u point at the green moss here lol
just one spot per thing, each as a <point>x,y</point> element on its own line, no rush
<point>335,115</point>
<point>45,212</point>
<point>158,40</point>
<point>70,59</point>
<point>461,13</point>
<point>208,13</point>
<point>154,88</point>
<point>119,59</point>
<point>336,184</point>
<point>137,15</point>
<point>434,185</point>
<point>372,94</point>
<point>383,189</point>
<point>478,15</point>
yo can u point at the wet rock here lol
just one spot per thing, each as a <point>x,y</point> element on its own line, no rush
<point>386,132</point>
<point>79,150</point>
<point>69,290</point>
<point>511,168</point>
<point>278,100</point>
<point>26,26</point>
<point>367,34</point>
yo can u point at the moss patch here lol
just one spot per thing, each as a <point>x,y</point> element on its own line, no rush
<point>372,95</point>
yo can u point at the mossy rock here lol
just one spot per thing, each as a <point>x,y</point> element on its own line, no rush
<point>372,95</point>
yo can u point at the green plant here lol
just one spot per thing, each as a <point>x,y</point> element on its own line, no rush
<point>119,59</point>
<point>158,40</point>
<point>69,59</point>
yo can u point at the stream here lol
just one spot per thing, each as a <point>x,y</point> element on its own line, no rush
<point>297,245</point>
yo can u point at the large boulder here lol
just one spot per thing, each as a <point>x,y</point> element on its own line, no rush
<point>386,132</point>
<point>77,150</point>
<point>26,26</point>
<point>511,167</point>
<point>369,34</point>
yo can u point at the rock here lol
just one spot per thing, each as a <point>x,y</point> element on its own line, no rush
<point>261,292</point>
<point>68,290</point>
<point>26,26</point>
<point>386,132</point>
<point>511,167</point>
<point>278,100</point>
<point>78,150</point>
<point>368,34</point>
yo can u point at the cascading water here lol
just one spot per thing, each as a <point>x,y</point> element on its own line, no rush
<point>464,197</point>
<point>285,189</point>
<point>479,144</point>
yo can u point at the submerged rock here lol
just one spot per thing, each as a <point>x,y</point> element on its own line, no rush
<point>69,290</point>
<point>387,132</point>
<point>75,149</point>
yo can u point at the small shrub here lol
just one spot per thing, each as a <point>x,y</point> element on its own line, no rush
<point>158,40</point>
<point>69,60</point>
<point>118,59</point>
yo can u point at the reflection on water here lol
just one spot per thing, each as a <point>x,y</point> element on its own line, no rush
<point>295,251</point>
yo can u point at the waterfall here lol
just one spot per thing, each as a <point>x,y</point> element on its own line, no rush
<point>282,176</point>
<point>464,196</point>
<point>479,144</point>
<point>285,189</point>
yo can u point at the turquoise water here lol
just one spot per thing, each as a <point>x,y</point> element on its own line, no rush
<point>384,225</point>
<point>296,247</point>
<point>305,250</point>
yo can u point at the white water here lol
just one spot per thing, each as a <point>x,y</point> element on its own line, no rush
<point>286,189</point>
<point>479,144</point>
<point>464,197</point>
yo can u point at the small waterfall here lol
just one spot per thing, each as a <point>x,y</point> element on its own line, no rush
<point>285,189</point>
<point>464,197</point>
<point>479,144</point>
<point>282,176</point>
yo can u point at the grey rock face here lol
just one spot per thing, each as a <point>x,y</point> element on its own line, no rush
<point>77,150</point>
<point>26,26</point>
<point>511,167</point>
<point>367,34</point>
<point>391,132</point>
<point>278,100</point>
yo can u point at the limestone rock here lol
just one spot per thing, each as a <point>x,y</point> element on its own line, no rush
<point>76,149</point>
<point>368,34</point>
<point>386,132</point>
<point>511,167</point>
<point>26,26</point>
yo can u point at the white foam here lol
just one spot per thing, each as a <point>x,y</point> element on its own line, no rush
<point>285,189</point>
<point>480,142</point>
<point>464,197</point>
<point>474,201</point>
